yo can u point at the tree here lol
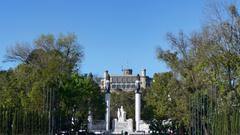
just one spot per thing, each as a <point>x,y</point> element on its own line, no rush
<point>66,47</point>
<point>168,100</point>
<point>125,99</point>
<point>205,69</point>
<point>45,91</point>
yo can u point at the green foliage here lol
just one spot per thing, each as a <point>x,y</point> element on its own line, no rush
<point>125,99</point>
<point>203,81</point>
<point>167,99</point>
<point>45,91</point>
<point>81,94</point>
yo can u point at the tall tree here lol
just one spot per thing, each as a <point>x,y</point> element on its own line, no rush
<point>45,91</point>
<point>206,66</point>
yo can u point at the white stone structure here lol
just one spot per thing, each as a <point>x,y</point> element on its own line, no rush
<point>90,119</point>
<point>107,100</point>
<point>137,110</point>
<point>121,124</point>
<point>144,127</point>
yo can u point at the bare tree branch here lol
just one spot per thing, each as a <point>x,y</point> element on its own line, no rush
<point>19,52</point>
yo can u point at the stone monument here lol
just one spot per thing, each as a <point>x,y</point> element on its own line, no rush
<point>121,124</point>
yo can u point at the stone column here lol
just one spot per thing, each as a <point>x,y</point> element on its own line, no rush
<point>137,103</point>
<point>90,120</point>
<point>107,100</point>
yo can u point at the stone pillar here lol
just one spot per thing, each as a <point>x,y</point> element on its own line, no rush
<point>90,120</point>
<point>107,100</point>
<point>137,103</point>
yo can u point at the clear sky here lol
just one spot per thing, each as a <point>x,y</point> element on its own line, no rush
<point>114,33</point>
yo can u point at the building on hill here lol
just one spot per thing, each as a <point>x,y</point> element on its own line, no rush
<point>126,81</point>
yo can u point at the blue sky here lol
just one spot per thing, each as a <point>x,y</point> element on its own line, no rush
<point>114,33</point>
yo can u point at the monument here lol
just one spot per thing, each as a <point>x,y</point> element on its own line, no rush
<point>120,125</point>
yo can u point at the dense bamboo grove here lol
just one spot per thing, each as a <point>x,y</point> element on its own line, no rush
<point>15,122</point>
<point>207,116</point>
<point>19,122</point>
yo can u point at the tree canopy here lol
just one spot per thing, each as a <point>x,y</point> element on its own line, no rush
<point>47,84</point>
<point>202,87</point>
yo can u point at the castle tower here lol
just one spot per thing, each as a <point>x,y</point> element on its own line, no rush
<point>143,79</point>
